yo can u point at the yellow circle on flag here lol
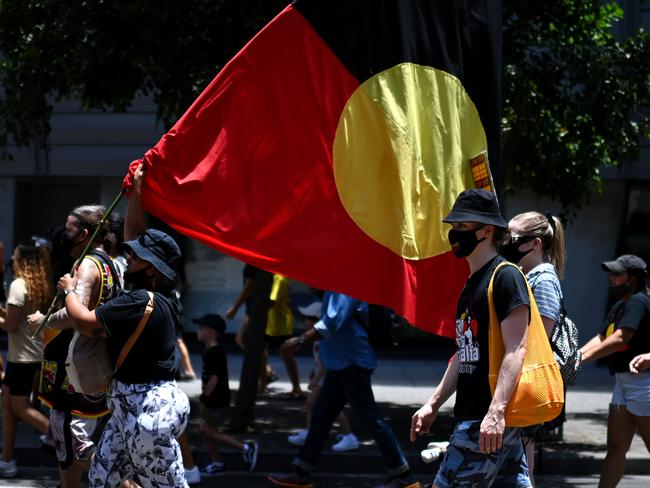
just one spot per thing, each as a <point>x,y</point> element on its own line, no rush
<point>402,155</point>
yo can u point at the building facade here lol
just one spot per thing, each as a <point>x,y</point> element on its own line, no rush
<point>89,153</point>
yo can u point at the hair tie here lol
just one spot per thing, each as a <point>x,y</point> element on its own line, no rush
<point>551,221</point>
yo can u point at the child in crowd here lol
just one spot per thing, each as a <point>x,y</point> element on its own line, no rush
<point>215,397</point>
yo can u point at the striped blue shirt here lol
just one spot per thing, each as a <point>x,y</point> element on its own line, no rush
<point>546,288</point>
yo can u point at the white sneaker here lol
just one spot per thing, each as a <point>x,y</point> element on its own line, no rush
<point>192,476</point>
<point>299,438</point>
<point>8,469</point>
<point>346,442</point>
<point>434,451</point>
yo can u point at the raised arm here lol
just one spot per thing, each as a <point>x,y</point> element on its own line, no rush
<point>134,220</point>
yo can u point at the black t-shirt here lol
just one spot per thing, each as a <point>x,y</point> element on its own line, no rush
<point>215,363</point>
<point>632,314</point>
<point>152,357</point>
<point>473,395</point>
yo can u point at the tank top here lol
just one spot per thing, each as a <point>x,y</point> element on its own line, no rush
<point>55,389</point>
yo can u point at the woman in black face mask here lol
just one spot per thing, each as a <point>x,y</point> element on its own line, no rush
<point>536,244</point>
<point>625,335</point>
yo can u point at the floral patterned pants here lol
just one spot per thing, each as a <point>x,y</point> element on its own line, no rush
<point>139,441</point>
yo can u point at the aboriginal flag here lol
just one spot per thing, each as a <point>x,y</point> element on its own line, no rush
<point>332,145</point>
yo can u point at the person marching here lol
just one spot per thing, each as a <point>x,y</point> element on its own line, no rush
<point>30,290</point>
<point>536,244</point>
<point>349,362</point>
<point>624,337</point>
<point>75,417</point>
<point>346,440</point>
<point>215,397</point>
<point>149,412</point>
<point>481,449</point>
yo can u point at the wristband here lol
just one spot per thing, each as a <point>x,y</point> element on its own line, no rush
<point>67,291</point>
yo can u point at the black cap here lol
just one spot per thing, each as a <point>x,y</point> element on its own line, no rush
<point>213,321</point>
<point>625,263</point>
<point>157,248</point>
<point>476,205</point>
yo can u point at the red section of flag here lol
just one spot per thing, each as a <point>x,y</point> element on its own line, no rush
<point>248,170</point>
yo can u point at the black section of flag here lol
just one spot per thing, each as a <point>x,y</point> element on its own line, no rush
<point>461,37</point>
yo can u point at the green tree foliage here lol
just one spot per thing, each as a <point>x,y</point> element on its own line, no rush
<point>573,96</point>
<point>105,52</point>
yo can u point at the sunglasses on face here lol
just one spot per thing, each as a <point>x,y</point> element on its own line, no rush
<point>517,240</point>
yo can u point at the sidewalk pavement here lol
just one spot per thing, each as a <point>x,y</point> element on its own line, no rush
<point>402,382</point>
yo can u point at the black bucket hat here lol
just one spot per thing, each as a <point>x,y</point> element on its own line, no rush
<point>625,263</point>
<point>157,248</point>
<point>212,321</point>
<point>476,205</point>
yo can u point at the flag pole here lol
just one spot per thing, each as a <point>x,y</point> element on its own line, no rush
<point>57,297</point>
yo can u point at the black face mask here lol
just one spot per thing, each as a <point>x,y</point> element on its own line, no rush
<point>620,291</point>
<point>463,242</point>
<point>137,280</point>
<point>68,243</point>
<point>511,251</point>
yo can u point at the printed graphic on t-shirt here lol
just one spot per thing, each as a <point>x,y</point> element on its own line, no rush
<point>467,339</point>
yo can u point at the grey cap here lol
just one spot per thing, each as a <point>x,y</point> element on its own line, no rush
<point>625,263</point>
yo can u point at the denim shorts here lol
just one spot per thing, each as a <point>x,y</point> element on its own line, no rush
<point>464,465</point>
<point>633,392</point>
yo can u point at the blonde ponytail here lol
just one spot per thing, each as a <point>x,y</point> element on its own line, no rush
<point>550,231</point>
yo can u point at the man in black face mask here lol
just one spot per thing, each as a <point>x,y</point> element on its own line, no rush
<point>625,334</point>
<point>481,448</point>
<point>73,416</point>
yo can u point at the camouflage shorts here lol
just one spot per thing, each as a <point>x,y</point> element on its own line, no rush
<point>464,465</point>
<point>139,441</point>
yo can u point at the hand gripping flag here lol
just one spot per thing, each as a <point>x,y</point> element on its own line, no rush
<point>332,145</point>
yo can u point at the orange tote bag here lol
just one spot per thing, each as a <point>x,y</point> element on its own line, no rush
<point>539,394</point>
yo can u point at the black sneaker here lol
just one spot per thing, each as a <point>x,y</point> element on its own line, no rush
<point>250,456</point>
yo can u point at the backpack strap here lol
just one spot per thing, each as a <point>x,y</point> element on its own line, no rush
<point>106,258</point>
<point>134,337</point>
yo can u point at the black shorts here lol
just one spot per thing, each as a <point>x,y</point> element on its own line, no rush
<point>19,377</point>
<point>215,417</point>
<point>276,341</point>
